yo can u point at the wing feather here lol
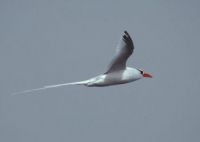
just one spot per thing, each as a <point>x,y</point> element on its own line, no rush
<point>124,49</point>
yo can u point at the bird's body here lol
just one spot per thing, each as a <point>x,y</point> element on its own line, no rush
<point>113,78</point>
<point>117,73</point>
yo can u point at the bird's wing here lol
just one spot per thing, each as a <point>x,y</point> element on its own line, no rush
<point>124,50</point>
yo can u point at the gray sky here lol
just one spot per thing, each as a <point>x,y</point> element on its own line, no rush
<point>48,42</point>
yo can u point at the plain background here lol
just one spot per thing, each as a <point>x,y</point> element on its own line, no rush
<point>44,42</point>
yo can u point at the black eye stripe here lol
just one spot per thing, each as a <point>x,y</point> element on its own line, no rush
<point>142,72</point>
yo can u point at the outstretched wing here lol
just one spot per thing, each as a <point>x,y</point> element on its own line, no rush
<point>124,50</point>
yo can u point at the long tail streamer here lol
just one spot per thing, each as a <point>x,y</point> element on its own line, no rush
<point>47,87</point>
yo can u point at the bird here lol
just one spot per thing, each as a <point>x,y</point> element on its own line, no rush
<point>117,72</point>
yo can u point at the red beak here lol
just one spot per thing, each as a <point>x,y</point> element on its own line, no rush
<point>147,75</point>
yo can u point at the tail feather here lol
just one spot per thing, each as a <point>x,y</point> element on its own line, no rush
<point>50,86</point>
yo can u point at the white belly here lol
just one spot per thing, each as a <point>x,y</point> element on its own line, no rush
<point>119,77</point>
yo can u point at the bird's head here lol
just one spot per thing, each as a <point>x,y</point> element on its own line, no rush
<point>145,74</point>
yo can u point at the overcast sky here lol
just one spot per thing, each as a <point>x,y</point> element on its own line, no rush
<point>48,42</point>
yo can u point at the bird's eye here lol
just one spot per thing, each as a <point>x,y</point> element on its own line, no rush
<point>141,71</point>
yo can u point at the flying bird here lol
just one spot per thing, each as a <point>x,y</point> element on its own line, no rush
<point>117,72</point>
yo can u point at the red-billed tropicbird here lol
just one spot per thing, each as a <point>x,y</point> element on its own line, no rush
<point>117,73</point>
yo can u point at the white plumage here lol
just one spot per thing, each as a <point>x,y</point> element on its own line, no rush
<point>117,72</point>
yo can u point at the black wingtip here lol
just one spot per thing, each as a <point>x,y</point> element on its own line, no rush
<point>126,32</point>
<point>127,38</point>
<point>126,35</point>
